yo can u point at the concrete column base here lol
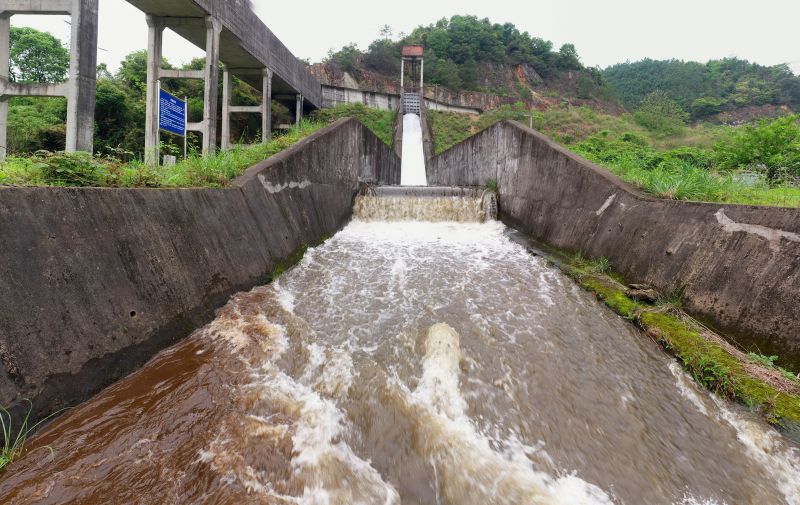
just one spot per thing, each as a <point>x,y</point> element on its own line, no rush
<point>82,76</point>
<point>5,43</point>
<point>227,84</point>
<point>298,113</point>
<point>266,107</point>
<point>155,44</point>
<point>213,31</point>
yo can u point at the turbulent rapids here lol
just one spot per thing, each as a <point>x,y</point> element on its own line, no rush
<point>411,362</point>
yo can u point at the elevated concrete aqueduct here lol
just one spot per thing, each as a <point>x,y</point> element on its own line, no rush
<point>229,32</point>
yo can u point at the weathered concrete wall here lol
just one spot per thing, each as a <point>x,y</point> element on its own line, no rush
<point>96,281</point>
<point>333,96</point>
<point>427,133</point>
<point>377,87</point>
<point>397,131</point>
<point>739,265</point>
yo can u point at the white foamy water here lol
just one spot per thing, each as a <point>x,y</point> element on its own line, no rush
<point>766,448</point>
<point>470,471</point>
<point>516,399</point>
<point>412,171</point>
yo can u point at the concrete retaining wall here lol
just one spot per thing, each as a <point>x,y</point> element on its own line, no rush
<point>96,281</point>
<point>739,265</point>
<point>335,95</point>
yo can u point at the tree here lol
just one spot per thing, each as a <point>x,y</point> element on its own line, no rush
<point>36,57</point>
<point>348,58</point>
<point>706,107</point>
<point>660,114</point>
<point>383,56</point>
<point>386,32</point>
<point>568,58</point>
<point>133,70</point>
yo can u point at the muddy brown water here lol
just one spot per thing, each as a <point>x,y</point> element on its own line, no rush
<point>415,363</point>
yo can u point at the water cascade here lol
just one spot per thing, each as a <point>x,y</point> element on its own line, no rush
<point>412,171</point>
<point>422,362</point>
<point>426,203</point>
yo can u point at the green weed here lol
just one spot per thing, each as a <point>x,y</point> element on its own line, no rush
<point>14,445</point>
<point>601,265</point>
<point>82,169</point>
<point>771,362</point>
<point>379,122</point>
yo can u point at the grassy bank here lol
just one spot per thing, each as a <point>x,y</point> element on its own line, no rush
<point>82,169</point>
<point>753,164</point>
<point>380,122</point>
<point>748,378</point>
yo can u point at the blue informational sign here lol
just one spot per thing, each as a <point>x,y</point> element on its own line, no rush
<point>172,114</point>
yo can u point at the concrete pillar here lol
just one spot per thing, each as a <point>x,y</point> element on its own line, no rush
<point>82,76</point>
<point>213,30</point>
<point>5,43</point>
<point>298,115</point>
<point>266,107</point>
<point>402,74</point>
<point>155,44</point>
<point>227,84</point>
<point>421,79</point>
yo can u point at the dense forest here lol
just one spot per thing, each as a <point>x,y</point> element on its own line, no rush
<point>705,89</point>
<point>455,50</point>
<point>464,52</point>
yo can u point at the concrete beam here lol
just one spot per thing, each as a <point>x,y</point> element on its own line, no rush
<point>247,42</point>
<point>37,7</point>
<point>178,22</point>
<point>82,76</point>
<point>196,127</point>
<point>5,46</point>
<point>9,89</point>
<point>213,32</point>
<point>155,44</point>
<point>164,73</point>
<point>228,109</point>
<point>245,109</point>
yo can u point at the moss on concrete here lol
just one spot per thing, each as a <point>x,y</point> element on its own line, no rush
<point>295,258</point>
<point>708,361</point>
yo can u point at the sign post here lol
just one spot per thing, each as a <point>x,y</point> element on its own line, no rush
<point>172,115</point>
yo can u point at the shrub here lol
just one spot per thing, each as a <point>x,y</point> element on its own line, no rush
<point>705,107</point>
<point>660,114</point>
<point>71,169</point>
<point>771,147</point>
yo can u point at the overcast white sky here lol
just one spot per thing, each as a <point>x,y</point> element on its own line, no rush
<point>604,31</point>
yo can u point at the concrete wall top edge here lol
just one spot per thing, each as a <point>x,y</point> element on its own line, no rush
<point>622,185</point>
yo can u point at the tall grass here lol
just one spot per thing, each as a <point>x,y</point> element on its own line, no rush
<point>82,169</point>
<point>683,174</point>
<point>680,166</point>
<point>14,444</point>
<point>380,122</point>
